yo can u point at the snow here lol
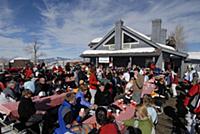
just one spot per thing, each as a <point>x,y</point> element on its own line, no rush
<point>96,40</point>
<point>18,58</point>
<point>135,50</point>
<point>194,55</point>
<point>148,38</point>
<point>165,46</point>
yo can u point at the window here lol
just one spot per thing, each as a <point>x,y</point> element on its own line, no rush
<point>128,39</point>
<point>111,41</point>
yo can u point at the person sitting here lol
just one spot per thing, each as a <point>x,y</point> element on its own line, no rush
<point>141,121</point>
<point>107,126</point>
<point>80,97</point>
<point>40,85</point>
<point>161,87</point>
<point>28,115</point>
<point>10,90</point>
<point>67,114</point>
<point>148,102</point>
<point>103,96</point>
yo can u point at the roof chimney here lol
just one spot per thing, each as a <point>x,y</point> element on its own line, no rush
<point>119,23</point>
<point>163,36</point>
<point>156,30</point>
<point>118,34</point>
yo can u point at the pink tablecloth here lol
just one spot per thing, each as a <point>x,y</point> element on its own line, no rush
<point>148,88</point>
<point>124,115</point>
<point>45,103</point>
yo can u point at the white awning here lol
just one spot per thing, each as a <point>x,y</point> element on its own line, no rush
<point>134,50</point>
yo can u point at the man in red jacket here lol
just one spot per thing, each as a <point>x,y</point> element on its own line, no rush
<point>195,109</point>
<point>93,83</point>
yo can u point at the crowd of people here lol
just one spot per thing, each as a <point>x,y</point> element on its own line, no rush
<point>93,89</point>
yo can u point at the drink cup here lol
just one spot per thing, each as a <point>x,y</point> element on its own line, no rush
<point>117,112</point>
<point>81,112</point>
<point>124,107</point>
<point>109,112</point>
<point>122,101</point>
<point>119,102</point>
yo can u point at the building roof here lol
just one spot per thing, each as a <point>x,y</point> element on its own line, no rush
<point>125,52</point>
<point>96,40</point>
<point>18,58</point>
<point>143,37</point>
<point>141,34</point>
<point>194,55</point>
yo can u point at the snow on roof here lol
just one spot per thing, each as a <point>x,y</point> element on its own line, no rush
<point>18,58</point>
<point>143,35</point>
<point>165,46</point>
<point>96,40</point>
<point>135,50</point>
<point>194,55</point>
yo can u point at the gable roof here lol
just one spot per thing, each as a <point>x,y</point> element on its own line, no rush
<point>144,38</point>
<point>104,38</point>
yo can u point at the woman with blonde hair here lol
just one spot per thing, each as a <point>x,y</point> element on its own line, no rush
<point>141,121</point>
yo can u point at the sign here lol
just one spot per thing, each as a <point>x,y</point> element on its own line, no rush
<point>104,60</point>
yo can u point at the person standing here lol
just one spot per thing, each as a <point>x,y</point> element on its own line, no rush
<point>93,83</point>
<point>138,82</point>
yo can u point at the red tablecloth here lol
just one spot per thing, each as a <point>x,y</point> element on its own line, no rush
<point>124,115</point>
<point>45,103</point>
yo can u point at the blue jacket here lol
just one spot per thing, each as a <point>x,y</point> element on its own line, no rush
<point>83,102</point>
<point>62,126</point>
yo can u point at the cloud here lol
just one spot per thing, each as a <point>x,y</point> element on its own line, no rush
<point>67,27</point>
<point>89,19</point>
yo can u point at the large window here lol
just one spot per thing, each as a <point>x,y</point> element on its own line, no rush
<point>128,41</point>
<point>110,43</point>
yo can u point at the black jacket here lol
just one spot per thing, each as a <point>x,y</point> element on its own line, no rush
<point>103,98</point>
<point>26,109</point>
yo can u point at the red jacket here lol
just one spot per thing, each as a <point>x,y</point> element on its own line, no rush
<point>93,81</point>
<point>108,129</point>
<point>195,89</point>
<point>28,73</point>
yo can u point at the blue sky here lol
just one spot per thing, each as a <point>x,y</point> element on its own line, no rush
<point>65,27</point>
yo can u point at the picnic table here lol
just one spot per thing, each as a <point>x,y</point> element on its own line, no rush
<point>125,114</point>
<point>45,103</point>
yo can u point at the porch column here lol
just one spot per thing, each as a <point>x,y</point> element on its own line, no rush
<point>159,62</point>
<point>153,59</point>
<point>97,61</point>
<point>182,68</point>
<point>111,59</point>
<point>130,62</point>
<point>111,62</point>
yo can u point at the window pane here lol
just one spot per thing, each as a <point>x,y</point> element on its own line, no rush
<point>128,39</point>
<point>111,41</point>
